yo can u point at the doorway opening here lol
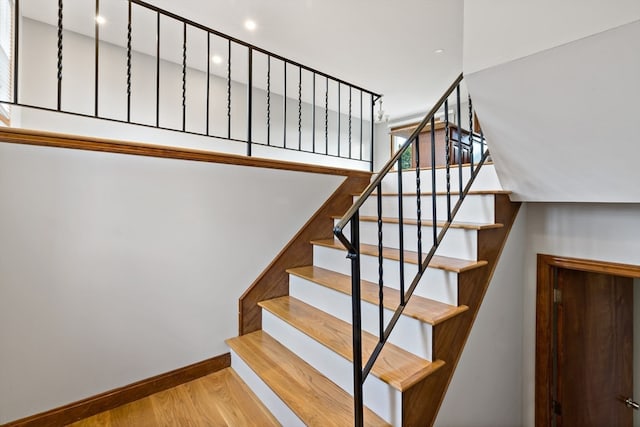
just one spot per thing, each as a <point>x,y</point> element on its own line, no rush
<point>584,342</point>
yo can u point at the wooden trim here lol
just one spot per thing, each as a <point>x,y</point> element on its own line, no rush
<point>591,266</point>
<point>440,124</point>
<point>413,126</point>
<point>544,360</point>
<point>112,399</point>
<point>50,139</point>
<point>274,280</point>
<point>544,320</point>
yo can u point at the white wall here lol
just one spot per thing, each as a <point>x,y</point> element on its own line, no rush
<point>554,120</point>
<point>607,232</point>
<point>115,268</point>
<point>499,31</point>
<point>486,389</point>
<point>551,81</point>
<point>38,86</point>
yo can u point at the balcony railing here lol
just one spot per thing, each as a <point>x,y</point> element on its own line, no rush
<point>150,67</point>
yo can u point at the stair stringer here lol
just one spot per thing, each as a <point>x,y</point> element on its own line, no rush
<point>421,403</point>
<point>273,282</point>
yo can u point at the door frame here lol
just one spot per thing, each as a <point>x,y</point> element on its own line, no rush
<point>544,320</point>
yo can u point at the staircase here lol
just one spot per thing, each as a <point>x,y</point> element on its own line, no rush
<point>300,362</point>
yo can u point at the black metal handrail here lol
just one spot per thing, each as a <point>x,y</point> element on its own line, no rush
<point>336,144</point>
<point>351,217</point>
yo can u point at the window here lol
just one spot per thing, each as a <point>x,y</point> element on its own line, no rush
<point>6,40</point>
<point>406,160</point>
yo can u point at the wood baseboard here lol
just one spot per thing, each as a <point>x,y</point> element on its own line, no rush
<point>112,399</point>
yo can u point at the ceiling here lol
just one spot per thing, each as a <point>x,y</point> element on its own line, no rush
<point>386,47</point>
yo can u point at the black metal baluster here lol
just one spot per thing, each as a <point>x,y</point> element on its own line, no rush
<point>373,105</point>
<point>326,116</point>
<point>400,230</point>
<point>268,99</point>
<point>158,69</point>
<point>208,81</point>
<point>418,203</point>
<point>284,109</point>
<point>434,198</point>
<point>481,141</point>
<point>361,123</point>
<point>471,137</point>
<point>229,89</point>
<point>448,157</point>
<point>249,102</point>
<point>60,29</point>
<point>380,264</point>
<point>16,48</point>
<point>339,99</point>
<point>184,76</point>
<point>459,117</point>
<point>129,40</point>
<point>97,58</point>
<point>313,116</point>
<point>349,121</point>
<point>299,108</point>
<point>356,320</point>
<point>352,216</point>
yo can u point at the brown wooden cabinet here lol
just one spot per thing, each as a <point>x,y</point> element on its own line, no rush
<point>440,145</point>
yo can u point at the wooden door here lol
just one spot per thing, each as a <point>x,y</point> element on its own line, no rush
<point>594,349</point>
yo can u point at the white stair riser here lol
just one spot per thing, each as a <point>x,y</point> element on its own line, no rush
<point>457,243</point>
<point>380,397</point>
<point>487,179</point>
<point>478,208</point>
<point>276,406</point>
<point>435,284</point>
<point>410,334</point>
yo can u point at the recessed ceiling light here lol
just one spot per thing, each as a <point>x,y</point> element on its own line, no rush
<point>216,59</point>
<point>100,20</point>
<point>438,51</point>
<point>250,24</point>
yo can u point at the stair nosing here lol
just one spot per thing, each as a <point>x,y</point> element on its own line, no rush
<point>409,309</point>
<point>407,381</point>
<point>428,223</point>
<point>438,261</point>
<point>236,345</point>
<point>440,193</point>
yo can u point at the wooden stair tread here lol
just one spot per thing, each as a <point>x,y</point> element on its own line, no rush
<point>455,265</point>
<point>395,366</point>
<point>315,399</point>
<point>420,308</point>
<point>428,223</point>
<point>439,193</point>
<point>452,165</point>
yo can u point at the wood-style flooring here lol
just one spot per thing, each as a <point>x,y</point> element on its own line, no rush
<point>218,399</point>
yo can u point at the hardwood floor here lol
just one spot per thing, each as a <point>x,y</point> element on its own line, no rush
<point>219,399</point>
